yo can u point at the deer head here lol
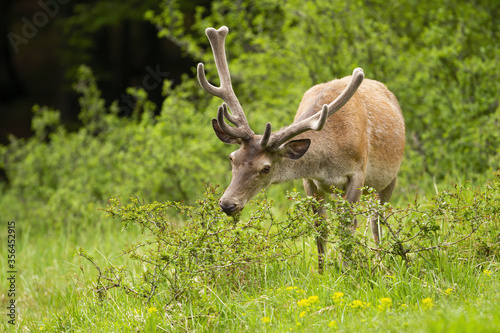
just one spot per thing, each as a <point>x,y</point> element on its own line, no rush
<point>261,159</point>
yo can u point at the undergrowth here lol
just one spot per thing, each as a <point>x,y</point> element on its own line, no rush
<point>198,268</point>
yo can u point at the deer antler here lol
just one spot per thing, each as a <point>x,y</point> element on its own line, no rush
<point>225,91</point>
<point>315,122</point>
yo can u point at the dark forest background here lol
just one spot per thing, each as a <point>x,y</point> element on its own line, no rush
<point>38,66</point>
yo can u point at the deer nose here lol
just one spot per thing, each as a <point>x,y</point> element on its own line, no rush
<point>230,208</point>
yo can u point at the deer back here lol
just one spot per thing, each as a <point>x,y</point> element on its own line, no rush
<point>366,135</point>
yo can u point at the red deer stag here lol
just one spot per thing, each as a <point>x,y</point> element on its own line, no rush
<point>347,133</point>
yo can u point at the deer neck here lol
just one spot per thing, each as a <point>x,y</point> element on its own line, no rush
<point>288,169</point>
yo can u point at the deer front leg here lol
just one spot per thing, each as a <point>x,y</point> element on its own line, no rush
<point>353,194</point>
<point>384,196</point>
<point>312,190</point>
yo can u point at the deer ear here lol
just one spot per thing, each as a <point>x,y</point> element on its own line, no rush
<point>222,135</point>
<point>296,149</point>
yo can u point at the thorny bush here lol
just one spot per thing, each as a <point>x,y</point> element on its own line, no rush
<point>181,259</point>
<point>199,247</point>
<point>463,222</point>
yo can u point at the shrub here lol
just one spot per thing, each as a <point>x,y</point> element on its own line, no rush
<point>59,178</point>
<point>460,222</point>
<point>204,248</point>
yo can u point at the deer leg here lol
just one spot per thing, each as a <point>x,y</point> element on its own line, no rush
<point>353,194</point>
<point>312,190</point>
<point>384,196</point>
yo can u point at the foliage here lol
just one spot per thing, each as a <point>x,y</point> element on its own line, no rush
<point>181,260</point>
<point>64,177</point>
<point>439,58</point>
<point>456,216</point>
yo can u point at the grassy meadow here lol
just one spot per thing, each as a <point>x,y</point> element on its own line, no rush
<point>456,289</point>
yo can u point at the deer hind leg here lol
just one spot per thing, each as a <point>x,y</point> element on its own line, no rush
<point>384,196</point>
<point>312,190</point>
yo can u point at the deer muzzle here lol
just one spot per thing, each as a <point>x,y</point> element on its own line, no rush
<point>230,206</point>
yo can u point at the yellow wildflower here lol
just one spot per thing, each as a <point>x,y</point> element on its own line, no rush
<point>404,305</point>
<point>152,310</point>
<point>487,272</point>
<point>303,302</point>
<point>313,299</point>
<point>302,314</point>
<point>385,303</point>
<point>333,323</point>
<point>357,304</point>
<point>427,303</point>
<point>308,301</point>
<point>298,324</point>
<point>448,291</point>
<point>337,297</point>
<point>265,320</point>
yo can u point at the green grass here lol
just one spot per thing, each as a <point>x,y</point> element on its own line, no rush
<point>276,293</point>
<point>47,268</point>
<point>55,292</point>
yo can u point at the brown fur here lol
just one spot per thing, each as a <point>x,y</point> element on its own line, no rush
<point>361,143</point>
<point>366,135</point>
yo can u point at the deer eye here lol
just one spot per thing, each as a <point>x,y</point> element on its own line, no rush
<point>266,169</point>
